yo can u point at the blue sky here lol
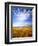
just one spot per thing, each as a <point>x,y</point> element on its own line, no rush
<point>21,16</point>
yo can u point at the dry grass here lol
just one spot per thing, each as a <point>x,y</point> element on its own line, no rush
<point>21,32</point>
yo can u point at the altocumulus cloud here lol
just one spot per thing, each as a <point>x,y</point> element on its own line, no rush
<point>20,16</point>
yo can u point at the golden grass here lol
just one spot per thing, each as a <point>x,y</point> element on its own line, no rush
<point>21,32</point>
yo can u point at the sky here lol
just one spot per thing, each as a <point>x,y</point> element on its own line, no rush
<point>21,16</point>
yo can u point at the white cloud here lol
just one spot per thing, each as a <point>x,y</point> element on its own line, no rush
<point>20,24</point>
<point>24,10</point>
<point>23,16</point>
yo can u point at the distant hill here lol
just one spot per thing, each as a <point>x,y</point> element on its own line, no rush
<point>23,26</point>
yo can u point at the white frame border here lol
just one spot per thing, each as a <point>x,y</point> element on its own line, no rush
<point>33,26</point>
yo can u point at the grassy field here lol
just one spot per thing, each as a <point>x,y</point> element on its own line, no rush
<point>21,32</point>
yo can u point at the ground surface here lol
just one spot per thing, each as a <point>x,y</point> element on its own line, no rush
<point>21,32</point>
